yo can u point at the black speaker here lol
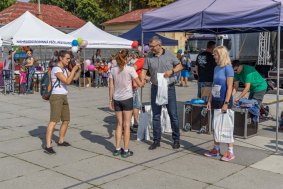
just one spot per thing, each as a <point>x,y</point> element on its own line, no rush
<point>244,127</point>
<point>196,117</point>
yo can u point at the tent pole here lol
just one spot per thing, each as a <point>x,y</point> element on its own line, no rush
<point>142,53</point>
<point>278,81</point>
<point>13,70</point>
<point>44,63</point>
<point>84,66</point>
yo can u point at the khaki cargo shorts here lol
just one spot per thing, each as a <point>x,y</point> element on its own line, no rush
<point>59,108</point>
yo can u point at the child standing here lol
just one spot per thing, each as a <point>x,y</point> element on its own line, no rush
<point>105,75</point>
<point>23,80</point>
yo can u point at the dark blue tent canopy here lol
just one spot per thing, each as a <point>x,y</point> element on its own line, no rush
<point>136,34</point>
<point>215,16</point>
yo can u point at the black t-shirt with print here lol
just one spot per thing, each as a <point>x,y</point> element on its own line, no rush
<point>206,65</point>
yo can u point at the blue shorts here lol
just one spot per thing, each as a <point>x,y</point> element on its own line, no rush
<point>185,73</point>
<point>136,99</point>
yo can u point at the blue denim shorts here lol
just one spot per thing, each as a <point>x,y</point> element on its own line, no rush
<point>136,99</point>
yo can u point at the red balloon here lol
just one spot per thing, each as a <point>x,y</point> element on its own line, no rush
<point>135,44</point>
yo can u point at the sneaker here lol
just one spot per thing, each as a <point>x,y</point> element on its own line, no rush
<point>49,150</point>
<point>127,154</point>
<point>118,152</point>
<point>212,153</point>
<point>228,156</point>
<point>63,144</point>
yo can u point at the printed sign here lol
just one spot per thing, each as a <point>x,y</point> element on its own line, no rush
<point>20,55</point>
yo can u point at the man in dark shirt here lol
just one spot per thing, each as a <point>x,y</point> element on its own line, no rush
<point>205,64</point>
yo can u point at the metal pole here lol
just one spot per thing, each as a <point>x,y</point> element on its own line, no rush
<point>12,77</point>
<point>84,67</point>
<point>278,80</point>
<point>142,52</point>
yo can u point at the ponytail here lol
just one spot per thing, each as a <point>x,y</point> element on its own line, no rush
<point>121,58</point>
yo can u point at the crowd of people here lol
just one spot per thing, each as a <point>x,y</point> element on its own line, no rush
<point>129,70</point>
<point>24,70</point>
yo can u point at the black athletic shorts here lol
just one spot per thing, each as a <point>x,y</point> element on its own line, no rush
<point>123,105</point>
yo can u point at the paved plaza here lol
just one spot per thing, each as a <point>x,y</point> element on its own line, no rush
<point>89,163</point>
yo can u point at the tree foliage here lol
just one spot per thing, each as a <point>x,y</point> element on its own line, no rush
<point>90,11</point>
<point>159,3</point>
<point>6,3</point>
<point>99,11</point>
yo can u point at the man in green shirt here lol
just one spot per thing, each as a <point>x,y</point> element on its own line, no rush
<point>253,81</point>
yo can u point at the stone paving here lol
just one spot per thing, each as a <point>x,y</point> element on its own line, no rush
<point>89,163</point>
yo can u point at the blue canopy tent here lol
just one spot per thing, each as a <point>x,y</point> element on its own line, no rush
<point>136,34</point>
<point>220,17</point>
<point>215,16</point>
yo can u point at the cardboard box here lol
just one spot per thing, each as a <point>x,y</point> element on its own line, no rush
<point>205,92</point>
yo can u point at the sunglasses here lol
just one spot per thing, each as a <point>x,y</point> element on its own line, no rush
<point>152,46</point>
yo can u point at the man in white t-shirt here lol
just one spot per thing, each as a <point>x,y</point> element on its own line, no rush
<point>59,106</point>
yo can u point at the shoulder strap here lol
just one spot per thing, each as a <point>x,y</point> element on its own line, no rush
<point>57,80</point>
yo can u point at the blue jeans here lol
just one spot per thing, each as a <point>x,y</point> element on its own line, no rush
<point>136,99</point>
<point>172,111</point>
<point>96,77</point>
<point>29,82</point>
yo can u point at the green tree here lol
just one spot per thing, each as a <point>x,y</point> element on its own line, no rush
<point>6,3</point>
<point>159,3</point>
<point>91,11</point>
<point>99,11</point>
<point>67,5</point>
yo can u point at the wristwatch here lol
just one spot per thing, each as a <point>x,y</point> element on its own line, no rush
<point>226,102</point>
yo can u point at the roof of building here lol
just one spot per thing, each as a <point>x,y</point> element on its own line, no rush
<point>133,16</point>
<point>52,15</point>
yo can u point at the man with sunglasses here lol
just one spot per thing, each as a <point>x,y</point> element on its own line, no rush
<point>160,60</point>
<point>253,81</point>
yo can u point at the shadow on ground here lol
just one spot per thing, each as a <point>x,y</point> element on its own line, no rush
<point>40,133</point>
<point>103,141</point>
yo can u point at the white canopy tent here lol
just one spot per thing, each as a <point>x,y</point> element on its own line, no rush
<point>28,30</point>
<point>98,38</point>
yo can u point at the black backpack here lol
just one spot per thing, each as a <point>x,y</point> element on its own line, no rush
<point>46,85</point>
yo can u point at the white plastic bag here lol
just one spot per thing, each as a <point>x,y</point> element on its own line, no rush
<point>143,129</point>
<point>223,125</point>
<point>147,109</point>
<point>165,121</point>
<point>162,92</point>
